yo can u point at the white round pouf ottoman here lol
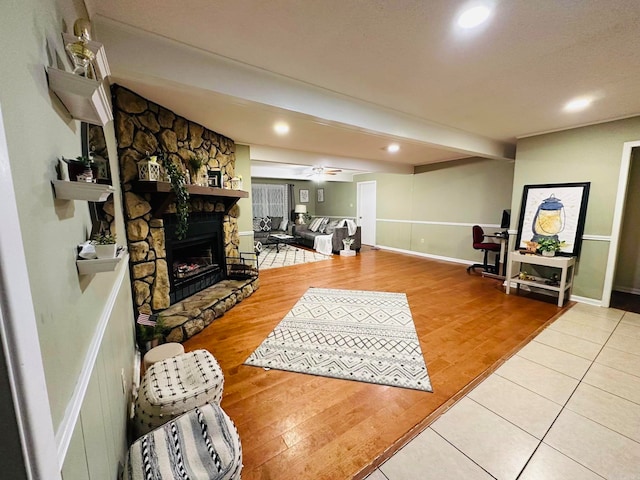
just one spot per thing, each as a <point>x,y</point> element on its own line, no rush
<point>161,352</point>
<point>174,386</point>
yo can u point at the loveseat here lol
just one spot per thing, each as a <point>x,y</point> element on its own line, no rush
<point>305,234</point>
<point>265,226</point>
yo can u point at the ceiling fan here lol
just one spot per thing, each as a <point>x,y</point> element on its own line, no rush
<point>317,171</point>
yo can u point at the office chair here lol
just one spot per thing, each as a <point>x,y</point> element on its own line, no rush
<point>480,244</point>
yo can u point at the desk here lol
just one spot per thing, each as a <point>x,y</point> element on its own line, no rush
<point>503,238</point>
<point>565,264</point>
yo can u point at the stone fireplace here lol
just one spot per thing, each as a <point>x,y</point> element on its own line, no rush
<point>185,280</point>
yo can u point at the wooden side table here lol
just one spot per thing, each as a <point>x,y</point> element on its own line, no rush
<point>565,264</point>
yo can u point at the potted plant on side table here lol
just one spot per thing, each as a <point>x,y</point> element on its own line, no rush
<point>549,246</point>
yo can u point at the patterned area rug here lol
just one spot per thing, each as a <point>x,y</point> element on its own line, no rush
<point>349,334</point>
<point>289,255</point>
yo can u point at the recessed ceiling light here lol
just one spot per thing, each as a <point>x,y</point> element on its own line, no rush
<point>577,104</point>
<point>393,148</point>
<point>474,16</point>
<point>281,128</point>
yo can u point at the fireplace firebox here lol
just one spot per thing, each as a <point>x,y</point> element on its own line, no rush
<point>198,260</point>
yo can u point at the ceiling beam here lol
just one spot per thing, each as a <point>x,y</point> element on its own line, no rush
<point>134,51</point>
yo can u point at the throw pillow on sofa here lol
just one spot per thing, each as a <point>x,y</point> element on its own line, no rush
<point>323,225</point>
<point>265,224</point>
<point>283,225</point>
<point>256,224</point>
<point>331,226</point>
<point>315,224</point>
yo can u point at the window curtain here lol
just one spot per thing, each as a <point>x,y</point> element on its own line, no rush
<point>270,200</point>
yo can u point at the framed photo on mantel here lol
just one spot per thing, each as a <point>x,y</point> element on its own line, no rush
<point>214,177</point>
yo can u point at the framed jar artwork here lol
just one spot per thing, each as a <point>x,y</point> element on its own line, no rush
<point>553,212</point>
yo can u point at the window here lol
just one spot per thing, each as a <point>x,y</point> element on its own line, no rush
<point>270,200</point>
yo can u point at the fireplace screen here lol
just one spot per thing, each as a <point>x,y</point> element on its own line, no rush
<point>193,268</point>
<point>196,262</point>
<point>191,262</point>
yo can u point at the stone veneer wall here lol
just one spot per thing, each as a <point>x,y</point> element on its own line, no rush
<point>145,128</point>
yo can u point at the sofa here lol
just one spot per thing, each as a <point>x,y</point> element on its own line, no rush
<point>305,234</point>
<point>265,226</point>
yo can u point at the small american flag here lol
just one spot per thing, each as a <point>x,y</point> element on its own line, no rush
<point>146,319</point>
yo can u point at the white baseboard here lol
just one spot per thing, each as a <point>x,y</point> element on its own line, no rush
<point>633,291</point>
<point>427,255</point>
<point>589,301</point>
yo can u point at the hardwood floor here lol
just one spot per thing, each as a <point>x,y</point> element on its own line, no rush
<point>296,426</point>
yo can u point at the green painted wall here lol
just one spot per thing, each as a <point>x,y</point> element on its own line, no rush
<point>339,199</point>
<point>243,167</point>
<point>432,211</point>
<point>68,307</point>
<point>589,154</point>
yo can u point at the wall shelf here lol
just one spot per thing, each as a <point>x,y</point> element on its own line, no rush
<point>84,98</point>
<point>93,192</point>
<point>97,265</point>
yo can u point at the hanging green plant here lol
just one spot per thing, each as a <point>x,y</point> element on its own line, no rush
<point>177,179</point>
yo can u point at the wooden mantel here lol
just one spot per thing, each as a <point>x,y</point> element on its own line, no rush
<point>164,194</point>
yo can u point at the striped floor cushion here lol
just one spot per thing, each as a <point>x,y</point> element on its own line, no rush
<point>202,444</point>
<point>174,386</point>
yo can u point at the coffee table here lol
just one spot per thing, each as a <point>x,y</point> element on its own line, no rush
<point>277,239</point>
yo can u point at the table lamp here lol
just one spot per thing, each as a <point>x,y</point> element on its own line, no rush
<point>300,210</point>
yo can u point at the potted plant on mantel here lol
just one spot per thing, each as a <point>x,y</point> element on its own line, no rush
<point>105,245</point>
<point>549,246</point>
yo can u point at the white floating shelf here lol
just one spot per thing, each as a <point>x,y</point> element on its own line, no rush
<point>100,62</point>
<point>85,98</point>
<point>93,192</point>
<point>89,267</point>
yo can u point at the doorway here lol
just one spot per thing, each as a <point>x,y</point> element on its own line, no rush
<point>621,245</point>
<point>366,211</point>
<point>626,281</point>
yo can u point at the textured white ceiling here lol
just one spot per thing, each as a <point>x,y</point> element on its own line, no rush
<point>389,69</point>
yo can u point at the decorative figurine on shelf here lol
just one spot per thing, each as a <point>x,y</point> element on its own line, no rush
<point>149,169</point>
<point>532,247</point>
<point>236,183</point>
<point>80,169</point>
<point>81,55</point>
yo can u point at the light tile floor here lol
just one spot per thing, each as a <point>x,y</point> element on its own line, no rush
<point>566,406</point>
